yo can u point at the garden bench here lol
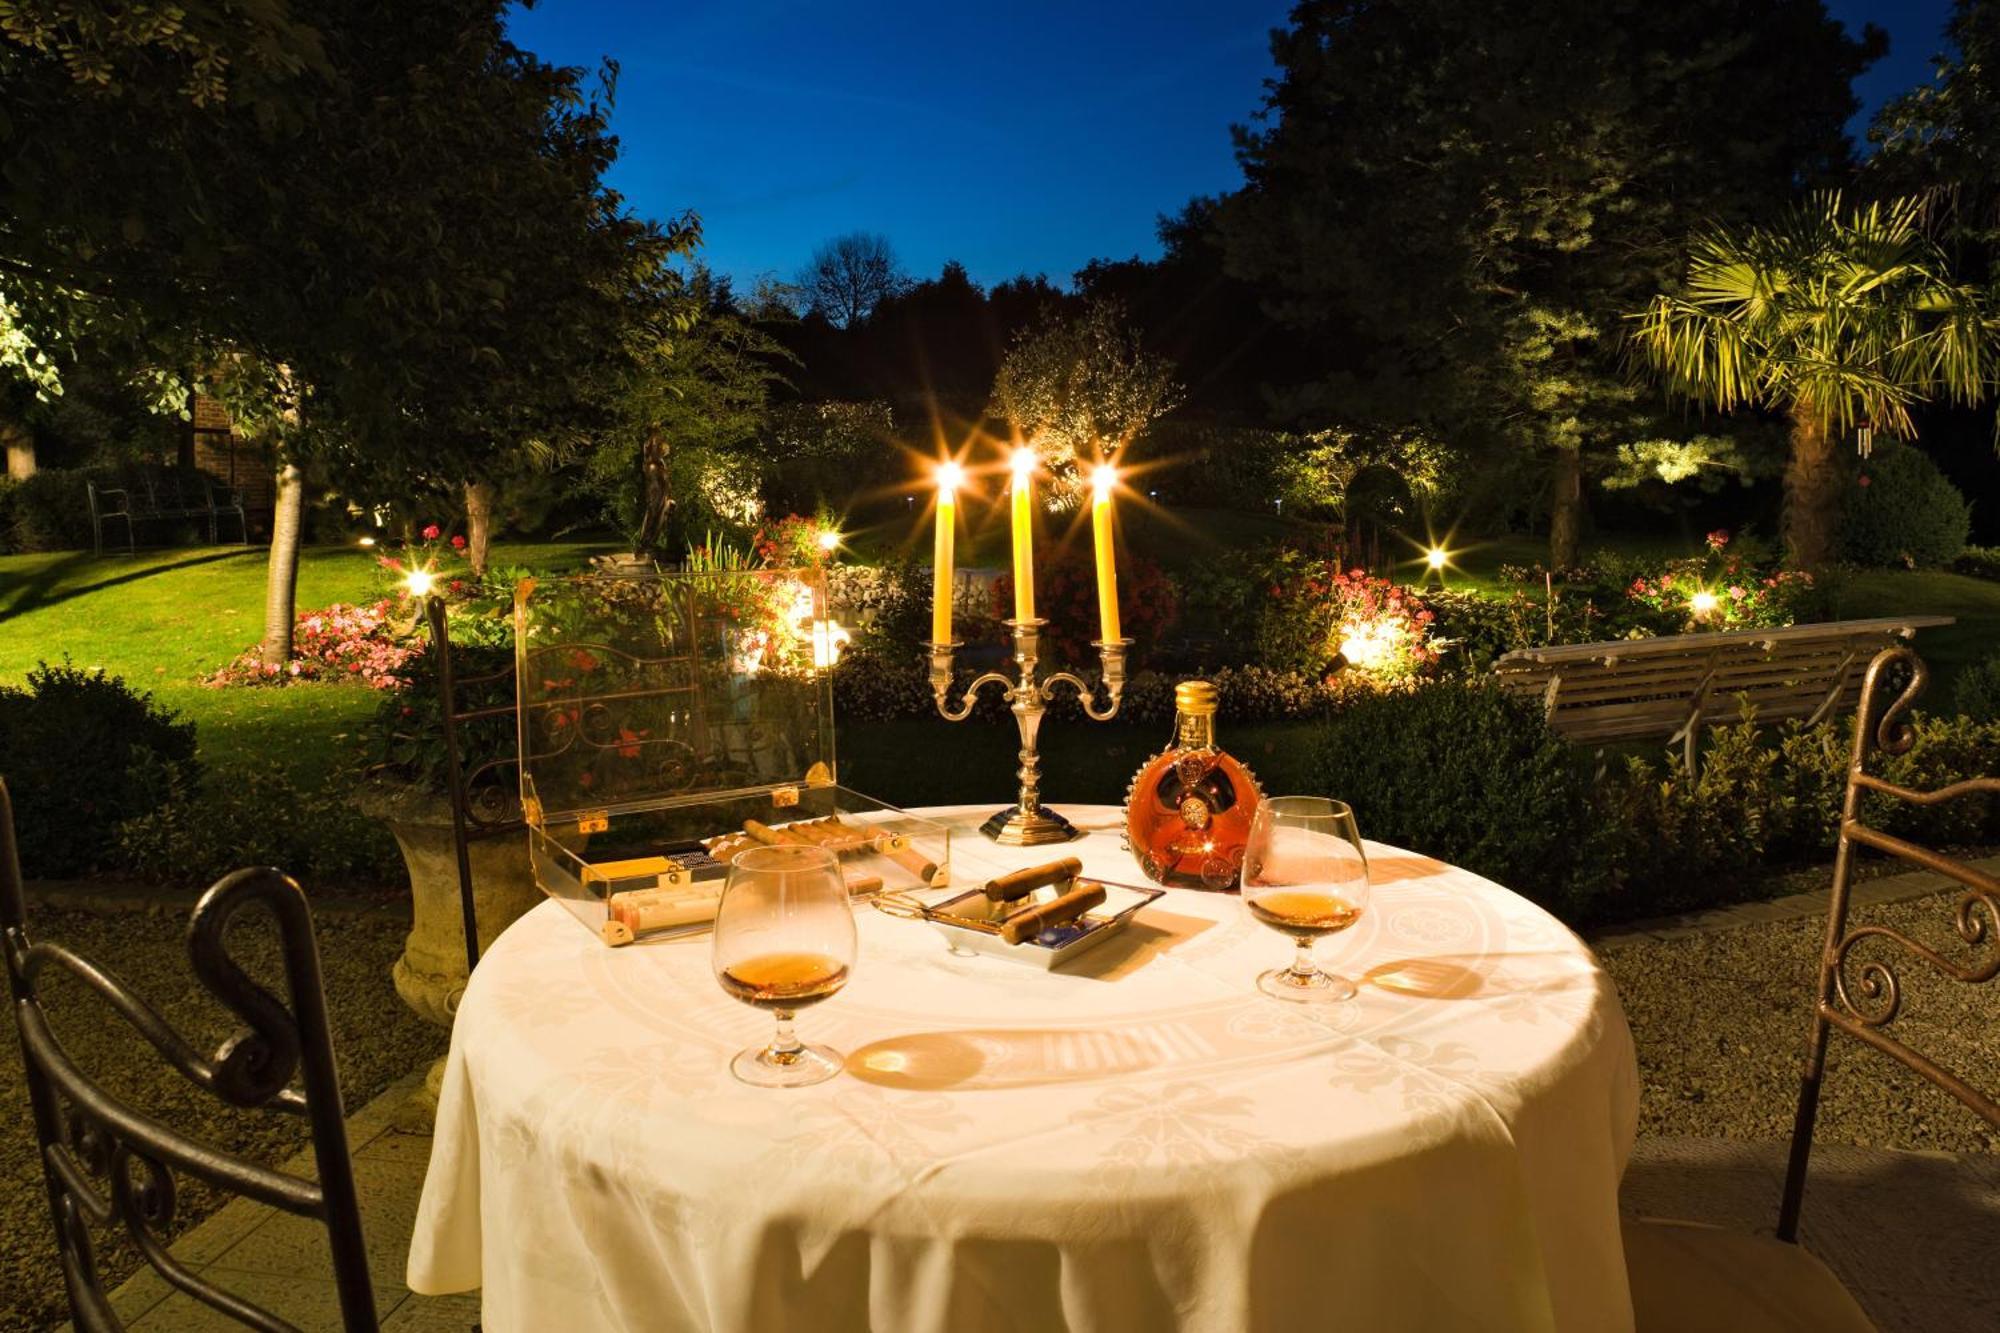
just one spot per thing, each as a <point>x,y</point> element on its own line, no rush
<point>159,493</point>
<point>1635,689</point>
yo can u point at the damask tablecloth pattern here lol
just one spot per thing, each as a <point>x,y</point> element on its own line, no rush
<point>1141,1141</point>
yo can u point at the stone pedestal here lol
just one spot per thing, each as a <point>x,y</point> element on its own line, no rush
<point>431,976</point>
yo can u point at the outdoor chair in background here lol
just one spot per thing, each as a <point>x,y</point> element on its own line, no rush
<point>1685,1276</point>
<point>109,1166</point>
<point>156,494</point>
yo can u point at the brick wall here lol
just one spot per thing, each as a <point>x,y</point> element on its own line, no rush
<point>243,464</point>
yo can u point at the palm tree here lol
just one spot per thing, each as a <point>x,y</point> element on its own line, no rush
<point>1839,320</point>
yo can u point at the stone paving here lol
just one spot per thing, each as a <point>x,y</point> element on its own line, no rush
<point>280,1261</point>
<point>1912,1235</point>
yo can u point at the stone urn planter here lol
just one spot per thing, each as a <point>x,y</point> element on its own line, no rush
<point>431,975</point>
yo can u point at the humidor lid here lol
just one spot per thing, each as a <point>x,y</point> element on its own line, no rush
<point>645,690</point>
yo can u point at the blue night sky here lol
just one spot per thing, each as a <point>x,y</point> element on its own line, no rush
<point>1015,138</point>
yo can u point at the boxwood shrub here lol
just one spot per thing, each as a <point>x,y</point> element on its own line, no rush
<point>1470,775</point>
<point>1900,510</point>
<point>82,752</point>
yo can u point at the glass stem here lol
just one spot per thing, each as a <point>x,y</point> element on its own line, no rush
<point>1302,961</point>
<point>785,1045</point>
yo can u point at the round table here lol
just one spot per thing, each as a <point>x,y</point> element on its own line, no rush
<point>1138,1141</point>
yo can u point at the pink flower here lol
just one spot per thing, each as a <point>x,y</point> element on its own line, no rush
<point>1718,539</point>
<point>457,542</point>
<point>431,532</point>
<point>1863,480</point>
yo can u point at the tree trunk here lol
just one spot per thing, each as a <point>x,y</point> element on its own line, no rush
<point>20,449</point>
<point>184,454</point>
<point>1566,510</point>
<point>281,580</point>
<point>1812,495</point>
<point>479,497</point>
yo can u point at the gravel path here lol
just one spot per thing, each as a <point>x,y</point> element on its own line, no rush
<point>1720,1020</point>
<point>376,1037</point>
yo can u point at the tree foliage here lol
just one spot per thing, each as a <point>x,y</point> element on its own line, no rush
<point>1453,205</point>
<point>1837,318</point>
<point>395,203</point>
<point>1942,139</point>
<point>849,277</point>
<point>1081,387</point>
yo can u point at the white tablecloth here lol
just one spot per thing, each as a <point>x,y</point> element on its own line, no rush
<point>1141,1142</point>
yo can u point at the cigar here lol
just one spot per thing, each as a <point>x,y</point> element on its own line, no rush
<point>730,846</point>
<point>907,857</point>
<point>658,909</point>
<point>1021,883</point>
<point>1032,921</point>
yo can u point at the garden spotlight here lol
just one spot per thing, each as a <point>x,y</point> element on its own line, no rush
<point>1436,557</point>
<point>418,582</point>
<point>829,541</point>
<point>1703,603</point>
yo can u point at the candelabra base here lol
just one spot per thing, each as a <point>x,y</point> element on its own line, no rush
<point>1015,827</point>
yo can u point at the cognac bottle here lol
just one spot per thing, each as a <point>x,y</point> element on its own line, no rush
<point>1187,815</point>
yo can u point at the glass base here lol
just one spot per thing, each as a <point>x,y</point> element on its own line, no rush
<point>763,1067</point>
<point>1314,988</point>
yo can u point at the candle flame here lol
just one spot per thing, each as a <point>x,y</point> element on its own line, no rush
<point>1024,462</point>
<point>950,476</point>
<point>1104,478</point>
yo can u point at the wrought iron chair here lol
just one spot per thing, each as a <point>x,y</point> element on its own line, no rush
<point>1687,1277</point>
<point>108,1165</point>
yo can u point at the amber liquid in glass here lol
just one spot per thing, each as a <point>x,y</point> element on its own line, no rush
<point>1187,816</point>
<point>784,980</point>
<point>1304,914</point>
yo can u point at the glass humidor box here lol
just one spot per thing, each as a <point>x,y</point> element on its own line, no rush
<point>669,722</point>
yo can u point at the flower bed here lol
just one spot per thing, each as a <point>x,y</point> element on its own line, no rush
<point>339,642</point>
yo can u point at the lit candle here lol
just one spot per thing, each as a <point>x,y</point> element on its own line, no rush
<point>1101,483</point>
<point>948,477</point>
<point>1024,533</point>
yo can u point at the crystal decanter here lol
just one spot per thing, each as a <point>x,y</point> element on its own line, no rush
<point>1187,814</point>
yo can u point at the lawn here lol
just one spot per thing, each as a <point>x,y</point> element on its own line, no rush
<point>166,619</point>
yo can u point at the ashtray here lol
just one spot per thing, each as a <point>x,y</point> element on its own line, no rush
<point>970,922</point>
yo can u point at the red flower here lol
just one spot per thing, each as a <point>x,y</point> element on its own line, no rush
<point>457,542</point>
<point>431,532</point>
<point>1718,539</point>
<point>1863,480</point>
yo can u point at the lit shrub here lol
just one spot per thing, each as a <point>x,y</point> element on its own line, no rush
<point>1764,797</point>
<point>1319,617</point>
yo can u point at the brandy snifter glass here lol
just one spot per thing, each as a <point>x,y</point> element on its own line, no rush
<point>784,940</point>
<point>1305,875</point>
